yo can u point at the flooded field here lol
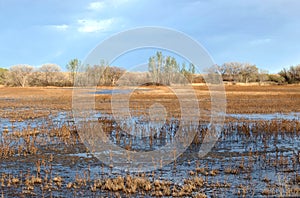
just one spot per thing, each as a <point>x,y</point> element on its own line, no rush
<point>257,152</point>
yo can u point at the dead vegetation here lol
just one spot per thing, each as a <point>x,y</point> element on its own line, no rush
<point>42,155</point>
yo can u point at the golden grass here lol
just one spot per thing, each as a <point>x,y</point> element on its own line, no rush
<point>34,143</point>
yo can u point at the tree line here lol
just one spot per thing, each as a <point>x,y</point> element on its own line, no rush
<point>23,75</point>
<point>161,70</point>
<point>245,73</point>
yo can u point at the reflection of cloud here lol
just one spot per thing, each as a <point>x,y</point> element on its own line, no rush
<point>260,41</point>
<point>62,27</point>
<point>90,25</point>
<point>96,6</point>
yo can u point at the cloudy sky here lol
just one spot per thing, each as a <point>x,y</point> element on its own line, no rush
<point>262,32</point>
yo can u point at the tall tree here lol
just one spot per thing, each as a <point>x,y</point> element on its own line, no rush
<point>73,67</point>
<point>192,71</point>
<point>152,68</point>
<point>192,68</point>
<point>159,67</point>
<point>165,69</point>
<point>155,67</point>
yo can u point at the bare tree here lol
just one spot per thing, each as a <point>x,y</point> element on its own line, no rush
<point>102,74</point>
<point>114,74</point>
<point>19,75</point>
<point>93,74</point>
<point>231,71</point>
<point>263,75</point>
<point>50,72</point>
<point>291,75</point>
<point>249,73</point>
<point>110,75</point>
<point>239,72</point>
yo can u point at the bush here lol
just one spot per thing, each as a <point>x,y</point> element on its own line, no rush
<point>3,73</point>
<point>276,78</point>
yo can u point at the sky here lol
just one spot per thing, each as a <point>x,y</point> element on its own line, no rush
<point>261,32</point>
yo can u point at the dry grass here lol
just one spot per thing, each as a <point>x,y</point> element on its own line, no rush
<point>44,149</point>
<point>240,99</point>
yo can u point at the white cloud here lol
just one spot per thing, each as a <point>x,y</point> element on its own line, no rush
<point>96,6</point>
<point>90,25</point>
<point>260,41</point>
<point>117,3</point>
<point>62,27</point>
<point>100,5</point>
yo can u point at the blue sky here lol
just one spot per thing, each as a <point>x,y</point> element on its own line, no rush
<point>262,32</point>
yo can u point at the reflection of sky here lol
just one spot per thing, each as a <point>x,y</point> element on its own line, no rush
<point>290,116</point>
<point>265,33</point>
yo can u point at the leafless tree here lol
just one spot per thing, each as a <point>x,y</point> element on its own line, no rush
<point>19,75</point>
<point>50,73</point>
<point>239,72</point>
<point>263,75</point>
<point>248,73</point>
<point>291,75</point>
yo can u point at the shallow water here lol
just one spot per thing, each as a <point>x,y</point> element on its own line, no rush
<point>115,91</point>
<point>277,116</point>
<point>259,155</point>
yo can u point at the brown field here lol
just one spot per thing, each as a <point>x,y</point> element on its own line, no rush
<point>240,99</point>
<point>42,154</point>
